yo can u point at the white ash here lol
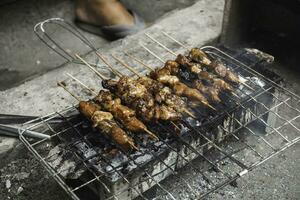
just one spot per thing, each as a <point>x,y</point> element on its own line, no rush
<point>258,81</point>
<point>252,80</point>
<point>64,163</point>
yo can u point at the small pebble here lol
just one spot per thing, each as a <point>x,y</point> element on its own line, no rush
<point>8,184</point>
<point>20,189</point>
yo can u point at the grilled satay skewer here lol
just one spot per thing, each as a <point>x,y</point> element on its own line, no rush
<point>164,75</point>
<point>200,56</point>
<point>210,91</point>
<point>196,68</point>
<point>120,112</point>
<point>162,94</point>
<point>174,68</point>
<point>218,68</point>
<point>217,84</point>
<point>135,96</point>
<point>104,121</point>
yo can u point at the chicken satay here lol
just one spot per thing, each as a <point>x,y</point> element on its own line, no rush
<point>104,122</point>
<point>210,91</point>
<point>164,75</point>
<point>163,94</point>
<point>144,105</point>
<point>183,61</point>
<point>199,56</point>
<point>122,113</point>
<point>216,83</point>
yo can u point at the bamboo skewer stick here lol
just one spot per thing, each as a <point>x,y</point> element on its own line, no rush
<point>151,69</point>
<point>175,126</point>
<point>142,63</point>
<point>152,135</point>
<point>160,44</point>
<point>152,53</point>
<point>137,60</point>
<point>170,37</point>
<point>104,78</point>
<point>108,64</point>
<point>156,56</point>
<point>67,90</point>
<point>82,84</point>
<point>127,66</point>
<point>92,68</point>
<point>131,143</point>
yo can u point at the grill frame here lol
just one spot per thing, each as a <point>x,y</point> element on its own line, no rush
<point>224,57</point>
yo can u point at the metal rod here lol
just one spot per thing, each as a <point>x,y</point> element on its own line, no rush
<point>14,131</point>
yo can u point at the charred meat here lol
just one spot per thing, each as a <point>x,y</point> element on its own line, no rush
<point>166,76</point>
<point>105,123</point>
<point>218,68</point>
<point>136,96</point>
<point>120,112</point>
<point>162,94</point>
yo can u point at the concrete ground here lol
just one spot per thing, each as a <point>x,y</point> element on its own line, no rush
<point>23,56</point>
<point>21,177</point>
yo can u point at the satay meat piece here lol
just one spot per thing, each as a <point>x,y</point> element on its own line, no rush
<point>216,82</point>
<point>144,105</point>
<point>164,76</point>
<point>162,94</point>
<point>199,56</point>
<point>120,112</point>
<point>184,61</point>
<point>105,123</point>
<point>211,92</point>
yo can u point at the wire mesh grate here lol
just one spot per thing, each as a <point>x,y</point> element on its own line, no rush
<point>208,157</point>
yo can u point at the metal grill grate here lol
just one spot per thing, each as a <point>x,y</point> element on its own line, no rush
<point>208,154</point>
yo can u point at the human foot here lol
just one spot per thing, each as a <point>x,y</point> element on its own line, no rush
<point>103,12</point>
